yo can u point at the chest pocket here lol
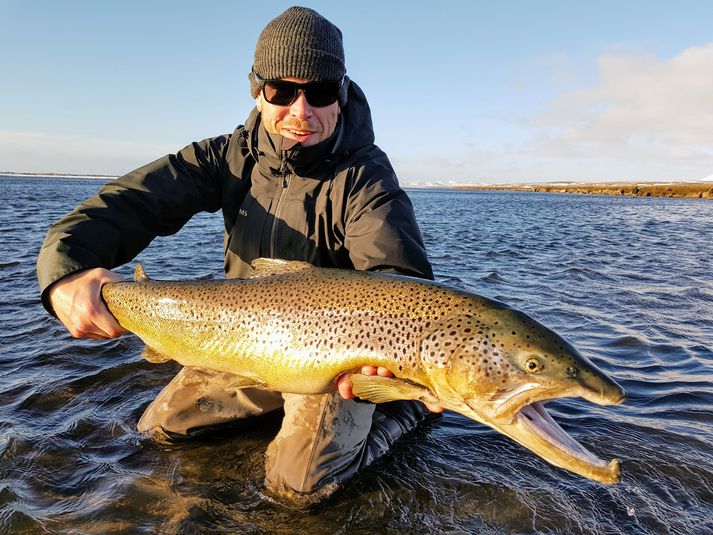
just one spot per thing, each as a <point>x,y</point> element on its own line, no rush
<point>250,218</point>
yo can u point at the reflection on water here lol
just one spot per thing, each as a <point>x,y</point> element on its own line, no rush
<point>627,280</point>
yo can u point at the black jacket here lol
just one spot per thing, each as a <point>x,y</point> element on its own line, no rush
<point>337,204</point>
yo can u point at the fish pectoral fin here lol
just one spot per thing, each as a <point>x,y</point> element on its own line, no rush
<point>266,267</point>
<point>382,389</point>
<point>139,273</point>
<point>243,381</point>
<point>150,354</point>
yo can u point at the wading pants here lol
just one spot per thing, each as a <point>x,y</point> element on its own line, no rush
<point>324,439</point>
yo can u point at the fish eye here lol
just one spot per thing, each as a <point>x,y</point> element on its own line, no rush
<point>572,371</point>
<point>533,365</point>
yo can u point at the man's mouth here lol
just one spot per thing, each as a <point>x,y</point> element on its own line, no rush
<point>300,132</point>
<point>297,130</point>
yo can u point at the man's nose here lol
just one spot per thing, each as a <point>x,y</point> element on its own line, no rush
<point>300,107</point>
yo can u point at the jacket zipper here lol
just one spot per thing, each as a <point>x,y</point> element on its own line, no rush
<point>283,193</point>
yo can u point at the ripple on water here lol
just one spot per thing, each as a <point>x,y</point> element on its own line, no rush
<point>626,280</point>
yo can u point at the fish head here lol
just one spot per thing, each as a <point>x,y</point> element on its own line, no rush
<point>512,361</point>
<point>504,366</point>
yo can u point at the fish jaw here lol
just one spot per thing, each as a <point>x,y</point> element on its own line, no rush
<point>532,427</point>
<point>535,429</point>
<point>596,387</point>
<point>602,391</point>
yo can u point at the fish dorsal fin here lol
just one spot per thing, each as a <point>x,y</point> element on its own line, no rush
<point>266,267</point>
<point>383,389</point>
<point>140,274</point>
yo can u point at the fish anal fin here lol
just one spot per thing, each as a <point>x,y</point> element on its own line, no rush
<point>242,381</point>
<point>150,354</point>
<point>140,274</point>
<point>266,267</point>
<point>383,389</point>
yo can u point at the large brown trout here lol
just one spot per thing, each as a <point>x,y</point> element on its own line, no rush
<point>295,328</point>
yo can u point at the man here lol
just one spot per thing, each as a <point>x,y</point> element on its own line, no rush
<point>301,180</point>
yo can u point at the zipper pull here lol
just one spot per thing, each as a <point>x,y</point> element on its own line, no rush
<point>283,170</point>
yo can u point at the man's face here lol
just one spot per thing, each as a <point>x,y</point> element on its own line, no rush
<point>299,122</point>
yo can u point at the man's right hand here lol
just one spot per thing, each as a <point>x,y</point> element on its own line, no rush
<point>77,302</point>
<point>344,384</point>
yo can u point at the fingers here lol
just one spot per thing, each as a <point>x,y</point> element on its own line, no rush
<point>77,302</point>
<point>344,382</point>
<point>344,386</point>
<point>373,370</point>
<point>434,408</point>
<point>91,321</point>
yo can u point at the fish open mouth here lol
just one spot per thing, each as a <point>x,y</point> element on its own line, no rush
<point>535,429</point>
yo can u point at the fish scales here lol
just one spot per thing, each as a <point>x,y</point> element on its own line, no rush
<point>303,321</point>
<point>295,328</point>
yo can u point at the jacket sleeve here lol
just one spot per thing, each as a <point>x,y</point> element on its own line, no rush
<point>116,224</point>
<point>381,229</point>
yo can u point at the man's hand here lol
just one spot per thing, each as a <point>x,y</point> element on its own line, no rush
<point>344,384</point>
<point>76,300</point>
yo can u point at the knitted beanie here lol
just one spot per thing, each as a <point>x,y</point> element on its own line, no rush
<point>299,43</point>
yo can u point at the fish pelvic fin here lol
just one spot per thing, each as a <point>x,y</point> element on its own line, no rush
<point>150,354</point>
<point>379,389</point>
<point>140,274</point>
<point>266,267</point>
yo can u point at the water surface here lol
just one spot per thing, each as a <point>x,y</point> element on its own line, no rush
<point>627,280</point>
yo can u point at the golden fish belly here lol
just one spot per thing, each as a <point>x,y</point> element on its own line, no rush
<point>295,341</point>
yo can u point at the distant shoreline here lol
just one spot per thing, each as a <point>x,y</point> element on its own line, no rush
<point>55,175</point>
<point>691,190</point>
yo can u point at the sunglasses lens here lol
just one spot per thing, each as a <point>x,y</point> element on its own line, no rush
<point>321,94</point>
<point>318,94</point>
<point>280,93</point>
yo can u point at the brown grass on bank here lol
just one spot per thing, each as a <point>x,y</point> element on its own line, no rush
<point>698,190</point>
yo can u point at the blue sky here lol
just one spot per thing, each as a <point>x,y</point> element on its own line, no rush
<point>461,92</point>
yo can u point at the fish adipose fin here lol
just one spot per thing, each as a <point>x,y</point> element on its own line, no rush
<point>266,267</point>
<point>150,354</point>
<point>379,389</point>
<point>140,274</point>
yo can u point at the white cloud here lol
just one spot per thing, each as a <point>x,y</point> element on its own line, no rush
<point>640,118</point>
<point>643,110</point>
<point>38,152</point>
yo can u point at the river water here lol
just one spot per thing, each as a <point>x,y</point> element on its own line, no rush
<point>627,280</point>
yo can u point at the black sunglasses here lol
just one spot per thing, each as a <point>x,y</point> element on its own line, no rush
<point>283,93</point>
